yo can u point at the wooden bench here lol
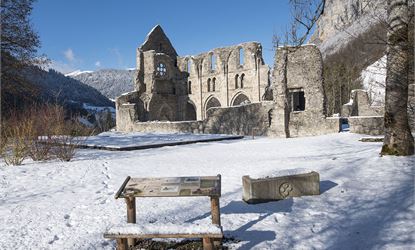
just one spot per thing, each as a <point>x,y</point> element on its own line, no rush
<point>169,187</point>
<point>122,233</point>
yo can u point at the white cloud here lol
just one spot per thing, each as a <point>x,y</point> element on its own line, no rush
<point>69,55</point>
<point>118,56</point>
<point>61,67</point>
<point>98,63</point>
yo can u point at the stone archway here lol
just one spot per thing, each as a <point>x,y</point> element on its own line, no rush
<point>190,111</point>
<point>239,99</point>
<point>165,114</point>
<point>212,102</point>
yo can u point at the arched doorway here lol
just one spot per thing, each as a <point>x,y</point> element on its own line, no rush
<point>240,99</point>
<point>190,111</point>
<point>165,114</point>
<point>212,102</point>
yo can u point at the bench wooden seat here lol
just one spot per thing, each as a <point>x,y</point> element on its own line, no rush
<point>126,231</point>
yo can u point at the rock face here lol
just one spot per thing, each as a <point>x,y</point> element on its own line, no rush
<point>344,20</point>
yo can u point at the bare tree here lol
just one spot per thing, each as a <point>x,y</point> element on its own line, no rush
<point>398,138</point>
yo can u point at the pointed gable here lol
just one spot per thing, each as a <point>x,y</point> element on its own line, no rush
<point>158,41</point>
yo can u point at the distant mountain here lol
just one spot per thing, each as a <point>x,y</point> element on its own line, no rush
<point>56,86</point>
<point>39,86</point>
<point>110,82</point>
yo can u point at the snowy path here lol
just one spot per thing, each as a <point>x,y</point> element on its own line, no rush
<point>367,201</point>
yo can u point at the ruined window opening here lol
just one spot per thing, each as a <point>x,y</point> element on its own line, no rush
<point>189,64</point>
<point>236,81</point>
<point>160,47</point>
<point>241,56</point>
<point>190,87</point>
<point>298,101</point>
<point>212,62</point>
<point>242,81</point>
<point>161,69</point>
<point>208,85</point>
<point>213,84</point>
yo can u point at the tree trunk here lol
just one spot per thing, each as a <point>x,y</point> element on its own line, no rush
<point>398,138</point>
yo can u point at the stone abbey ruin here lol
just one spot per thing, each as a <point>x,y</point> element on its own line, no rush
<point>231,90</point>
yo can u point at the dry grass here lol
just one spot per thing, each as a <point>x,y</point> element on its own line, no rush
<point>41,133</point>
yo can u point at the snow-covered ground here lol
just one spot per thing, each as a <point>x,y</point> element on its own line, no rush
<point>367,201</point>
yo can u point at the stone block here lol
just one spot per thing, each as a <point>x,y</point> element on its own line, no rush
<point>291,183</point>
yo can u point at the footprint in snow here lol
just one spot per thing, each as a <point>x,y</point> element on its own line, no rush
<point>55,238</point>
<point>67,216</point>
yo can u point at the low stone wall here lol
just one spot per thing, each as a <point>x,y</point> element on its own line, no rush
<point>195,127</point>
<point>239,120</point>
<point>302,125</point>
<point>370,125</point>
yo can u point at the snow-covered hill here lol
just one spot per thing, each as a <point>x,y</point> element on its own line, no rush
<point>110,82</point>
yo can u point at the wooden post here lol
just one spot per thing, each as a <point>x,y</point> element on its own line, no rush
<point>215,210</point>
<point>207,244</point>
<point>122,244</point>
<point>131,216</point>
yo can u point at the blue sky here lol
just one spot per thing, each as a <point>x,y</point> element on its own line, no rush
<point>93,34</point>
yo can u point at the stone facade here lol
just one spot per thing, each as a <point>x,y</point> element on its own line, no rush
<point>225,77</point>
<point>160,86</point>
<point>227,90</point>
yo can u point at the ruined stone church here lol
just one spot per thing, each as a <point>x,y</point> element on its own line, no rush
<point>225,90</point>
<point>173,88</point>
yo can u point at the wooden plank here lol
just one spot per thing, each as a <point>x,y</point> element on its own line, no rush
<point>147,236</point>
<point>121,189</point>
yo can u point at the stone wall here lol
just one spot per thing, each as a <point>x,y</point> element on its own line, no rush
<point>248,119</point>
<point>300,70</point>
<point>238,120</point>
<point>370,125</point>
<point>196,127</point>
<point>359,105</point>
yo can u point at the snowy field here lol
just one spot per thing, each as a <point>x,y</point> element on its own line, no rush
<point>367,201</point>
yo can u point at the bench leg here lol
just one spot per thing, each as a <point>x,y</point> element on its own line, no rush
<point>131,216</point>
<point>207,244</point>
<point>215,211</point>
<point>122,244</point>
